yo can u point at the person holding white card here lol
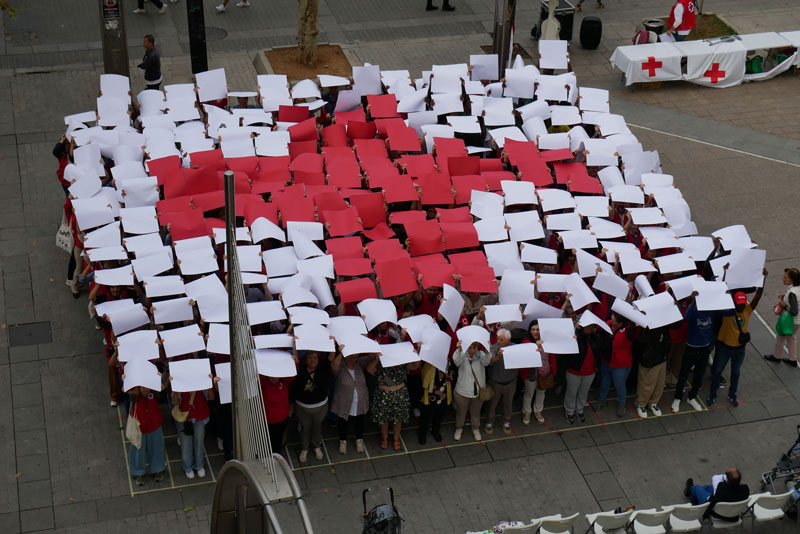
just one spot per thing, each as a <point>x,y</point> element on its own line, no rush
<point>391,402</point>
<point>436,396</point>
<point>503,382</point>
<point>192,407</point>
<point>537,380</point>
<point>593,346</point>
<point>310,393</point>
<point>471,378</point>
<point>145,409</point>
<point>351,396</point>
<point>652,370</point>
<point>275,392</point>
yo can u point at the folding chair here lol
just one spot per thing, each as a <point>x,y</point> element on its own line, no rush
<point>686,517</point>
<point>729,509</point>
<point>767,507</point>
<point>608,522</point>
<point>649,521</point>
<point>555,524</point>
<point>530,528</point>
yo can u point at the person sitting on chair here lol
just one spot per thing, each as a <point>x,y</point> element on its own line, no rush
<point>723,488</point>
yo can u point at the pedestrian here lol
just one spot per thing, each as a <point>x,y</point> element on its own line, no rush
<point>162,7</point>
<point>652,370</point>
<point>503,382</point>
<point>699,335</point>
<point>579,3</point>
<point>151,451</point>
<point>151,63</point>
<point>787,303</point>
<point>436,396</point>
<point>471,378</point>
<point>537,380</point>
<point>224,4</point>
<point>445,7</point>
<point>581,370</point>
<point>681,19</point>
<point>191,413</point>
<point>391,402</point>
<point>731,342</point>
<point>351,397</point>
<point>618,367</point>
<point>275,392</point>
<point>310,393</point>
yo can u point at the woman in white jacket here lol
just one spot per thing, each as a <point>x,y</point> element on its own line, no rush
<point>471,377</point>
<point>789,302</point>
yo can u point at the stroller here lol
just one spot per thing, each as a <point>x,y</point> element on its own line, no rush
<point>382,519</point>
<point>786,470</point>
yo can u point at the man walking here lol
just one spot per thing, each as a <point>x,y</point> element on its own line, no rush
<point>151,63</point>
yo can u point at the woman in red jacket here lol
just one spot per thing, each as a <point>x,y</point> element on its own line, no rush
<point>619,366</point>
<point>145,408</point>
<point>275,392</point>
<point>192,432</point>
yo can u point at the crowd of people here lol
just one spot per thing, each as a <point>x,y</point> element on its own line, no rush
<point>506,226</point>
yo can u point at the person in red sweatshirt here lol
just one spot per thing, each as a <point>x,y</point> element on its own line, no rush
<point>192,431</point>
<point>144,407</point>
<point>275,392</point>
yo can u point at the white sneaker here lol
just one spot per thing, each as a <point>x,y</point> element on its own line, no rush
<point>694,404</point>
<point>138,11</point>
<point>173,1</point>
<point>476,434</point>
<point>655,409</point>
<point>163,9</point>
<point>342,446</point>
<point>526,419</point>
<point>221,8</point>
<point>220,444</point>
<point>489,428</point>
<point>360,446</point>
<point>113,404</point>
<point>318,453</point>
<point>457,434</point>
<point>676,405</point>
<point>417,413</point>
<point>189,474</point>
<point>201,472</point>
<point>303,457</point>
<point>246,4</point>
<point>641,411</point>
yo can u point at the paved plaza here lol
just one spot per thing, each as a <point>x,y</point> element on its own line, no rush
<point>735,154</point>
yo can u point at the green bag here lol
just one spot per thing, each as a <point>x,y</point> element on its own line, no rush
<point>785,326</point>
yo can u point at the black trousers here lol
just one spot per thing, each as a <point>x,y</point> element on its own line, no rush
<point>358,423</point>
<point>697,357</point>
<point>431,417</point>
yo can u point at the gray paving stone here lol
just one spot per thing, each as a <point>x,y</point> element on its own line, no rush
<point>753,411</point>
<point>780,407</point>
<point>716,417</point>
<point>30,418</point>
<point>469,455</point>
<point>507,448</point>
<point>31,442</point>
<point>612,433</point>
<point>117,508</point>
<point>318,478</point>
<point>574,439</point>
<point>35,520</point>
<point>355,472</point>
<point>604,486</point>
<point>4,359</point>
<point>25,373</point>
<point>9,523</point>
<point>160,501</point>
<point>589,460</point>
<point>25,395</point>
<point>680,423</point>
<point>78,513</point>
<point>36,494</point>
<point>33,467</point>
<point>646,428</point>
<point>393,466</point>
<point>434,460</point>
<point>544,443</point>
<point>27,353</point>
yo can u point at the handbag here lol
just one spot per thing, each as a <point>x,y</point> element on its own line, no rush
<point>64,238</point>
<point>179,415</point>
<point>545,382</point>
<point>133,430</point>
<point>744,337</point>
<point>486,392</point>
<point>785,325</point>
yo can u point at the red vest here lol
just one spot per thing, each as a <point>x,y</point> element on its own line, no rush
<point>687,22</point>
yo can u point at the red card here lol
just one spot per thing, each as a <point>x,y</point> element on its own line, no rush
<point>209,201</point>
<point>241,182</point>
<point>436,274</point>
<point>537,172</point>
<point>292,113</point>
<point>425,236</point>
<point>375,148</point>
<point>562,154</point>
<point>520,151</point>
<point>340,159</point>
<point>268,210</point>
<point>352,266</point>
<point>361,130</point>
<point>212,223</point>
<point>304,131</point>
<point>380,180</point>
<point>466,260</point>
<point>212,158</point>
<point>490,164</point>
<point>466,184</point>
<point>383,125</point>
<point>493,179</point>
<point>570,172</point>
<point>395,277</point>
<point>436,189</point>
<point>299,148</point>
<point>297,209</point>
<point>382,106</point>
<point>274,169</point>
<point>314,190</point>
<point>163,168</point>
<point>381,231</point>
<point>418,261</point>
<point>370,208</point>
<point>343,222</point>
<point>418,165</point>
<point>263,188</point>
<point>335,135</point>
<point>247,165</point>
<point>459,235</point>
<point>171,205</point>
<point>406,217</point>
<point>310,162</point>
<point>176,185</point>
<point>378,165</point>
<point>201,180</point>
<point>309,178</point>
<point>345,247</point>
<point>386,249</point>
<point>403,139</point>
<point>588,185</point>
<point>345,117</point>
<point>345,179</point>
<point>400,190</point>
<point>187,224</point>
<point>445,148</point>
<point>242,201</point>
<point>454,215</point>
<point>328,201</point>
<point>478,280</point>
<point>463,165</point>
<point>356,290</point>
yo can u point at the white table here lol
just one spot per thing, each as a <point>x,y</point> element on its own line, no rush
<point>652,62</point>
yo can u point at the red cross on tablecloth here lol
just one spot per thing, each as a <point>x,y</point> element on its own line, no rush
<point>714,73</point>
<point>651,65</point>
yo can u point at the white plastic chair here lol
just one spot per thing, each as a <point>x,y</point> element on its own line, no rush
<point>686,517</point>
<point>767,507</point>
<point>649,521</point>
<point>556,524</point>
<point>608,522</point>
<point>530,528</point>
<point>729,509</point>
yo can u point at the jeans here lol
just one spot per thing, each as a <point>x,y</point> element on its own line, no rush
<point>158,3</point>
<point>193,449</point>
<point>152,452</point>
<point>577,392</point>
<point>506,393</point>
<point>678,37</point>
<point>722,355</point>
<point>696,357</point>
<point>618,376</point>
<point>701,494</point>
<point>276,432</point>
<point>311,420</point>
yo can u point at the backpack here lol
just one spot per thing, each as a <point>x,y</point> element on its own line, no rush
<point>644,37</point>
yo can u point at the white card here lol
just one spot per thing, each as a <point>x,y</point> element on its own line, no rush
<point>558,336</point>
<point>183,340</point>
<point>173,310</point>
<point>138,345</point>
<point>190,375</point>
<point>275,363</point>
<point>522,356</point>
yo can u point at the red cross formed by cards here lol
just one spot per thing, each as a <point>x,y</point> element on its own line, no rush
<point>714,73</point>
<point>651,65</point>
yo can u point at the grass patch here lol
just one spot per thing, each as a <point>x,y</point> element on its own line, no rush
<point>710,26</point>
<point>331,60</point>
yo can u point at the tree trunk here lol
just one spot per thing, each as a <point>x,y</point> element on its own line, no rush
<point>307,11</point>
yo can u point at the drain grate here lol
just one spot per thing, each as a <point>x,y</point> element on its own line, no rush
<point>29,334</point>
<point>215,34</point>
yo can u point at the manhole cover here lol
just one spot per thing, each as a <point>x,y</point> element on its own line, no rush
<point>215,34</point>
<point>29,334</point>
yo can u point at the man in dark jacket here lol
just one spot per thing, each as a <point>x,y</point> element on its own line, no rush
<point>151,63</point>
<point>728,489</point>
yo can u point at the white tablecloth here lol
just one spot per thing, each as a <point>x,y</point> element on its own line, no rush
<point>651,62</point>
<point>714,64</point>
<point>794,38</point>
